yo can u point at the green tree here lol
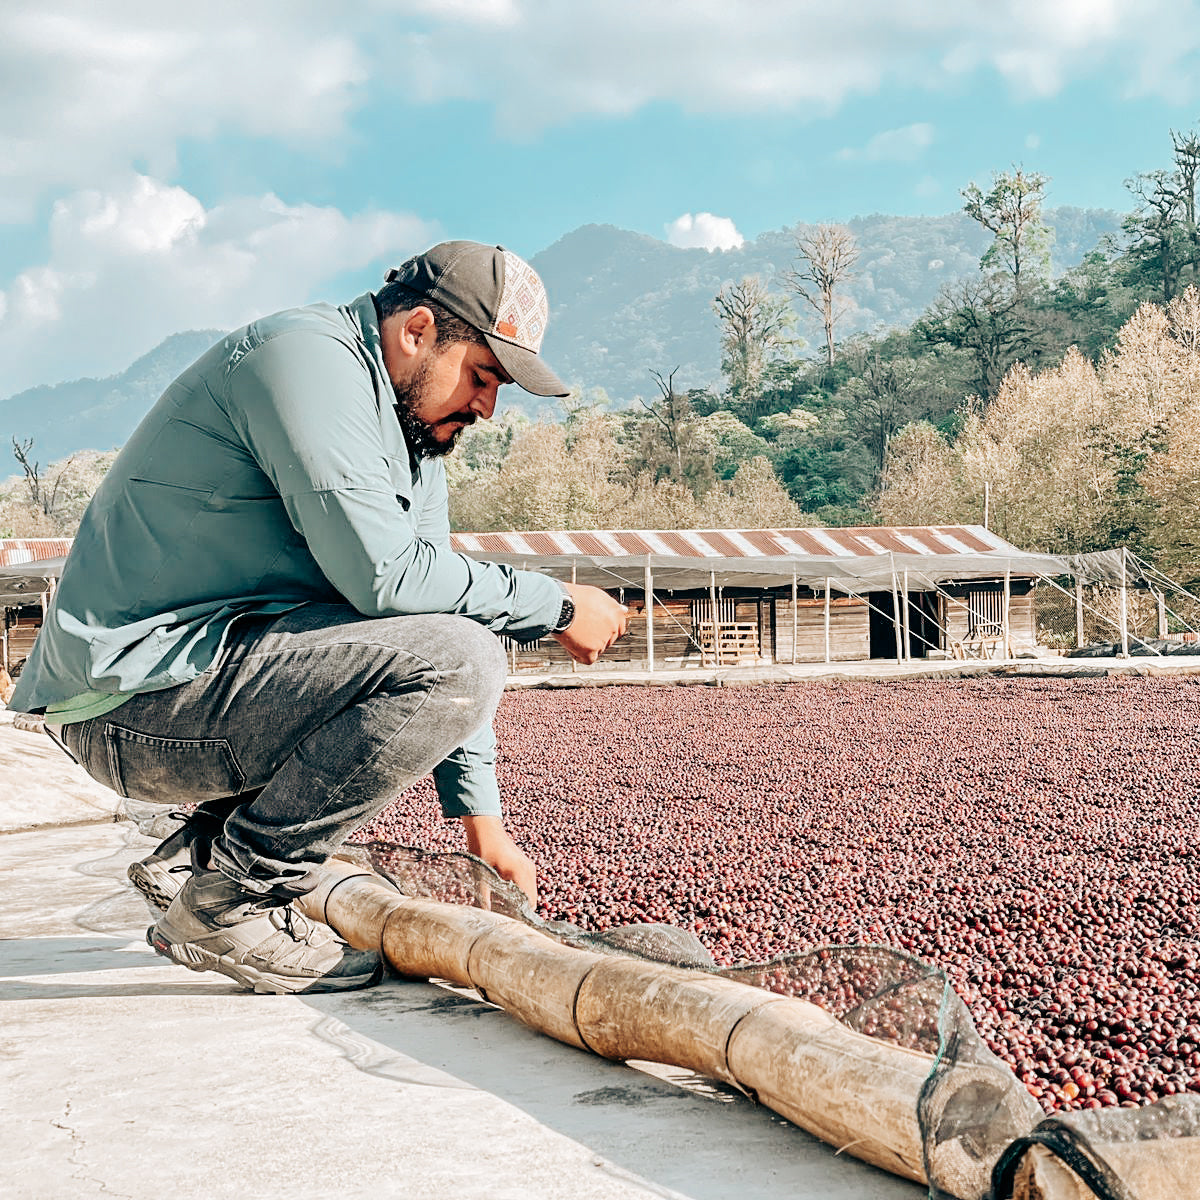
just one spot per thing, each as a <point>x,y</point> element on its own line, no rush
<point>1156,229</point>
<point>1011,210</point>
<point>756,327</point>
<point>993,322</point>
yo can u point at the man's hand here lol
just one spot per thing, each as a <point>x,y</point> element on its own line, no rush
<point>488,839</point>
<point>599,621</point>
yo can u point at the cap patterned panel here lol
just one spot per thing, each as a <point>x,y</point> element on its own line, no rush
<point>523,309</point>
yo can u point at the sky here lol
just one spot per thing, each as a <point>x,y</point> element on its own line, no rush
<point>168,167</point>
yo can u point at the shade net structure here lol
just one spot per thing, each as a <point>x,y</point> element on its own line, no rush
<point>1118,604</point>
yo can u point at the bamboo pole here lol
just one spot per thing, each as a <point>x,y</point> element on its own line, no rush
<point>854,1092</point>
<point>904,622</point>
<point>896,613</point>
<point>716,624</point>
<point>1124,602</point>
<point>827,648</point>
<point>649,610</point>
<point>1078,613</point>
<point>1006,626</point>
<point>795,614</point>
<point>1165,1169</point>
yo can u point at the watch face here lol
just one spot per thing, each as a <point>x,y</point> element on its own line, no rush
<point>566,614</point>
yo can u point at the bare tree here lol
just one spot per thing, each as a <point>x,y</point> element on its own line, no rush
<point>41,496</point>
<point>826,259</point>
<point>670,412</point>
<point>754,326</point>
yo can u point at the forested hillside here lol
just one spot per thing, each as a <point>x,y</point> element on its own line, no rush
<point>626,304</point>
<point>98,414</point>
<point>891,369</point>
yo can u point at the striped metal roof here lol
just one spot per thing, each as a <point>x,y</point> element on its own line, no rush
<point>870,540</point>
<point>14,551</point>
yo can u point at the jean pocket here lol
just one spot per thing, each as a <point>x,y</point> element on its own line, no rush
<point>171,770</point>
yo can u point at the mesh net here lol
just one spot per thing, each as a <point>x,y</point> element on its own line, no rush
<point>971,1107</point>
<point>982,1132</point>
<point>1160,622</point>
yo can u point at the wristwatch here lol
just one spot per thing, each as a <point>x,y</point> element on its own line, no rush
<point>566,614</point>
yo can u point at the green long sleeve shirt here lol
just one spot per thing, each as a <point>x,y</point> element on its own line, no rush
<point>271,473</point>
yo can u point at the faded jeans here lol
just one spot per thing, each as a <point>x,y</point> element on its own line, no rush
<point>306,726</point>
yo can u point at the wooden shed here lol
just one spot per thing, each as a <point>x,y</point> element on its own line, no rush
<point>734,597</point>
<point>29,570</point>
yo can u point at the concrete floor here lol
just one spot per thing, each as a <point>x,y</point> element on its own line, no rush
<point>126,1076</point>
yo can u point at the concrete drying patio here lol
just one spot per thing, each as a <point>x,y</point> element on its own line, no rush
<point>126,1076</point>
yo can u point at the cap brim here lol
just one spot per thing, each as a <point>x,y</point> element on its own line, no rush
<point>526,368</point>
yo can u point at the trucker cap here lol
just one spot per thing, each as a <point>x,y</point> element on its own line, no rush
<point>497,292</point>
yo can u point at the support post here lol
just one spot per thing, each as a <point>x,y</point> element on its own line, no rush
<point>649,616</point>
<point>1162,615</point>
<point>1006,625</point>
<point>574,579</point>
<point>904,622</point>
<point>896,614</point>
<point>1078,613</point>
<point>716,627</point>
<point>795,615</point>
<point>1124,602</point>
<point>828,657</point>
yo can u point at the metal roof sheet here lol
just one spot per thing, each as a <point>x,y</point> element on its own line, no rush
<point>744,543</point>
<point>14,551</point>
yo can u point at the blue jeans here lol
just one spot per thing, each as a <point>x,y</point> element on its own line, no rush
<point>306,726</point>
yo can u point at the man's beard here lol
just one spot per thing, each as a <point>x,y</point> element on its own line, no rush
<point>419,433</point>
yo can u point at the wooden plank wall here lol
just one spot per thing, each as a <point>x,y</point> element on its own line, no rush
<point>849,629</point>
<point>849,621</point>
<point>673,644</point>
<point>1022,621</point>
<point>20,631</point>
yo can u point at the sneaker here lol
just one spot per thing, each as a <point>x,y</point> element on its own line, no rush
<point>160,876</point>
<point>262,942</point>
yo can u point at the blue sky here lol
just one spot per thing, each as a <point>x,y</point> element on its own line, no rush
<point>167,167</point>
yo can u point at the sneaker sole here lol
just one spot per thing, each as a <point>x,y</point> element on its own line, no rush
<point>158,887</point>
<point>196,958</point>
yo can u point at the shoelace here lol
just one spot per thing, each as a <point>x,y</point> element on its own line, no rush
<point>297,925</point>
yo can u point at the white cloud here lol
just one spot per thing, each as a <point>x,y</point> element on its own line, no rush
<point>905,144</point>
<point>704,232</point>
<point>541,63</point>
<point>90,89</point>
<point>126,268</point>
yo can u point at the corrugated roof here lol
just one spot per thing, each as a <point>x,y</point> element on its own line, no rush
<point>14,551</point>
<point>871,540</point>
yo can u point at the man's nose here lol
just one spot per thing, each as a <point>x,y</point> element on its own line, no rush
<point>484,404</point>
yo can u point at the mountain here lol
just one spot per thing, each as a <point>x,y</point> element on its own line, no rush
<point>623,304</point>
<point>97,414</point>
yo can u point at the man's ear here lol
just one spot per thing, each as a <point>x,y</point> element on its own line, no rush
<point>416,328</point>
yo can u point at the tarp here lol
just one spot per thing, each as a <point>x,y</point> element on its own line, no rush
<point>22,583</point>
<point>847,574</point>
